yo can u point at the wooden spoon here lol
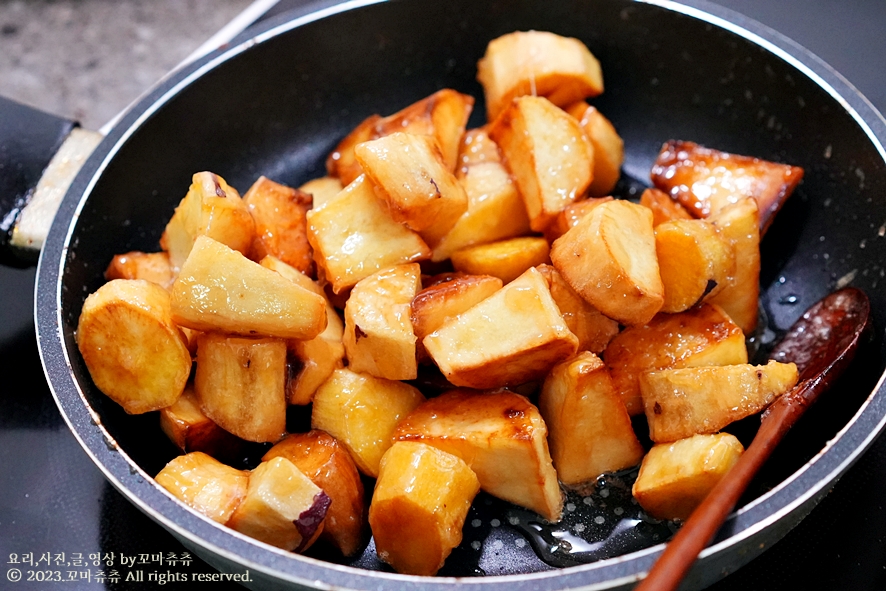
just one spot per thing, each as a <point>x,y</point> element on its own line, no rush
<point>822,343</point>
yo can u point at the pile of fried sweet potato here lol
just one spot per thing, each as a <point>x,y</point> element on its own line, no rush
<point>553,311</point>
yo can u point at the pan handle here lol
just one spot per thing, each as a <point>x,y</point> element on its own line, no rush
<point>40,154</point>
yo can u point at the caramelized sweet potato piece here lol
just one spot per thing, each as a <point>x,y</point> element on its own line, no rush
<point>205,484</point>
<point>280,228</point>
<point>704,180</point>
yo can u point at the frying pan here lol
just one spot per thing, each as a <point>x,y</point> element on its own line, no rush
<point>276,104</point>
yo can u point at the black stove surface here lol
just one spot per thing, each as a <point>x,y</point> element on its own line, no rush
<point>60,517</point>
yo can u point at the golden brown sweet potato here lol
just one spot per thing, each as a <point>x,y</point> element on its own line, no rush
<point>280,228</point>
<point>682,402</point>
<point>609,258</point>
<point>589,428</point>
<point>205,484</point>
<point>700,336</point>
<point>419,506</point>
<point>608,147</point>
<point>676,477</point>
<point>150,266</point>
<point>500,435</point>
<point>537,63</point>
<point>134,351</point>
<point>320,457</point>
<point>704,180</point>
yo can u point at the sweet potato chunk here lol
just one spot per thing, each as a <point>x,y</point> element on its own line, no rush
<point>135,353</point>
<point>589,428</point>
<point>514,336</point>
<point>676,477</point>
<point>704,181</point>
<point>378,337</point>
<point>150,266</point>
<point>537,63</point>
<point>664,209</point>
<point>500,435</point>
<point>419,506</point>
<point>211,208</point>
<point>682,402</point>
<point>701,336</point>
<point>442,115</point>
<point>436,304</point>
<point>240,384</point>
<point>740,298</point>
<point>320,457</point>
<point>282,507</point>
<point>505,259</point>
<point>362,412</point>
<point>569,217</point>
<point>205,484</point>
<point>608,147</point>
<point>190,429</point>
<point>354,235</point>
<point>220,289</point>
<point>695,262</point>
<point>547,153</point>
<point>322,189</point>
<point>609,258</point>
<point>280,228</point>
<point>594,331</point>
<point>409,174</point>
<point>495,209</point>
<point>317,358</point>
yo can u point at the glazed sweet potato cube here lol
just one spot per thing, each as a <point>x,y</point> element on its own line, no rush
<point>280,228</point>
<point>500,435</point>
<point>695,261</point>
<point>569,217</point>
<point>495,210</point>
<point>683,402</point>
<point>704,181</point>
<point>378,336</point>
<point>514,336</point>
<point>442,115</point>
<point>608,147</point>
<point>676,477</point>
<point>362,412</point>
<point>315,359</point>
<point>419,507</point>
<point>322,189</point>
<point>409,174</point>
<point>188,427</point>
<point>282,507</point>
<point>589,428</point>
<point>341,163</point>
<point>741,295</point>
<point>436,304</point>
<point>700,336</point>
<point>150,266</point>
<point>609,258</point>
<point>505,259</point>
<point>240,384</point>
<point>329,465</point>
<point>211,208</point>
<point>132,347</point>
<point>664,209</point>
<point>354,236</point>
<point>547,153</point>
<point>476,148</point>
<point>537,63</point>
<point>593,329</point>
<point>220,289</point>
<point>205,484</point>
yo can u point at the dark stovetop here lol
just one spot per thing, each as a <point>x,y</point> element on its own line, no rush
<point>54,500</point>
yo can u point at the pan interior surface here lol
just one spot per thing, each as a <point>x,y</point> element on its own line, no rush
<point>278,107</point>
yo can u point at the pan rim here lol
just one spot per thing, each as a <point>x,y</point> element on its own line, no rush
<point>790,497</point>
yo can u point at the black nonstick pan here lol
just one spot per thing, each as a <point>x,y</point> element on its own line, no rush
<point>276,105</point>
